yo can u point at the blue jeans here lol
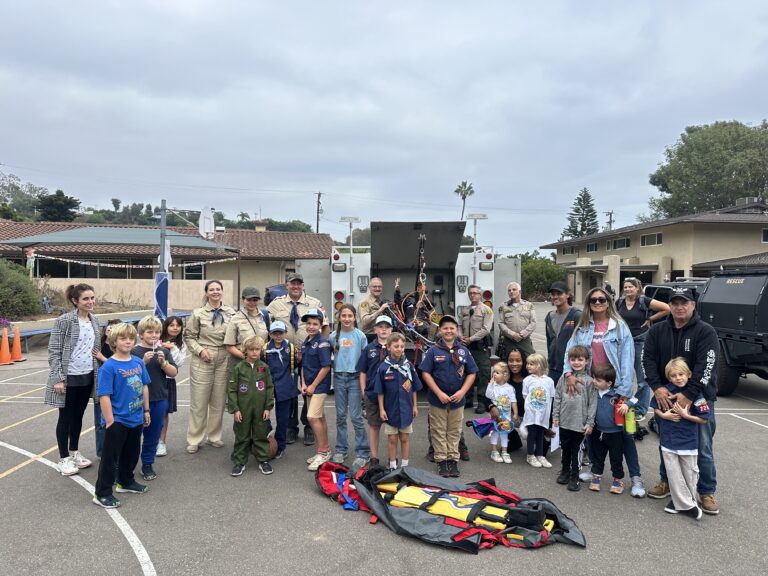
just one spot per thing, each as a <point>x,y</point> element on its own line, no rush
<point>630,454</point>
<point>99,428</point>
<point>349,397</point>
<point>643,393</point>
<point>157,411</point>
<point>282,414</point>
<point>707,483</point>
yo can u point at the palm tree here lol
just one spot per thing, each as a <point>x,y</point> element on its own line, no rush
<point>244,217</point>
<point>465,190</point>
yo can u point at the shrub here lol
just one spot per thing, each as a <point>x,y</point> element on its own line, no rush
<point>18,294</point>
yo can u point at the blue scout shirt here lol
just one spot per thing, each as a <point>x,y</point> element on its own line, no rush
<point>123,381</point>
<point>397,380</point>
<point>281,366</point>
<point>316,354</point>
<point>682,437</point>
<point>351,346</point>
<point>448,377</point>
<point>369,362</point>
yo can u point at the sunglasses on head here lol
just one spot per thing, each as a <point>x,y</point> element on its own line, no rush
<point>598,300</point>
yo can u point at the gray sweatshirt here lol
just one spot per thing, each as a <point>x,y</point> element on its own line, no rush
<point>578,410</point>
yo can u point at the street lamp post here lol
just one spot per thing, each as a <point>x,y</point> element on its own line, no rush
<point>351,220</point>
<point>475,217</point>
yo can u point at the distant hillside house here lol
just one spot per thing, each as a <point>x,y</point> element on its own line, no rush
<point>732,238</point>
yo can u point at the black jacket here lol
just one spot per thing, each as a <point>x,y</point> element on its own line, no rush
<point>696,342</point>
<point>556,343</point>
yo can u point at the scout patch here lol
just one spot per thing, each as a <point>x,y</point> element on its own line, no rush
<point>702,406</point>
<point>407,385</point>
<point>439,358</point>
<point>260,385</point>
<point>461,352</point>
<point>389,377</point>
<point>260,369</point>
<point>243,387</point>
<point>373,353</point>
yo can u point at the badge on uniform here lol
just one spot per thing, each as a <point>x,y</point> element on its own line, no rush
<point>702,406</point>
<point>407,385</point>
<point>461,351</point>
<point>260,385</point>
<point>243,387</point>
<point>373,353</point>
<point>460,371</point>
<point>439,358</point>
<point>260,369</point>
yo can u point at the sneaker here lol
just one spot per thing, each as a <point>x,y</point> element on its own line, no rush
<point>506,458</point>
<point>442,469</point>
<point>162,450</point>
<point>533,461</point>
<point>291,437</point>
<point>544,462</point>
<point>215,443</point>
<point>265,468</point>
<point>192,448</point>
<point>659,491</point>
<point>617,486</point>
<point>464,455</point>
<point>133,488</point>
<point>563,477</point>
<point>147,472</point>
<point>670,508</point>
<point>67,466</point>
<point>639,417</point>
<point>319,460</point>
<point>338,458</point>
<point>480,409</point>
<point>237,470</point>
<point>495,456</point>
<point>359,462</point>
<point>309,437</point>
<point>638,490</point>
<point>594,484</point>
<point>573,484</point>
<point>708,504</point>
<point>453,469</point>
<point>79,460</point>
<point>694,512</point>
<point>279,454</point>
<point>585,476</point>
<point>586,461</point>
<point>106,501</point>
<point>312,458</point>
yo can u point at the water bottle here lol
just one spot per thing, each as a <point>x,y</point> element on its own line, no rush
<point>630,424</point>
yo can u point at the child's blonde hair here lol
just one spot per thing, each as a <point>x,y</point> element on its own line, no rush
<point>540,362</point>
<point>678,365</point>
<point>149,323</point>
<point>121,330</point>
<point>501,367</point>
<point>252,343</point>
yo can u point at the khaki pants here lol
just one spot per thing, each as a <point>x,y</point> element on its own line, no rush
<point>682,476</point>
<point>445,424</point>
<point>207,393</point>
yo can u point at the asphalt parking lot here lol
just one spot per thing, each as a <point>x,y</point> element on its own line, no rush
<point>198,520</point>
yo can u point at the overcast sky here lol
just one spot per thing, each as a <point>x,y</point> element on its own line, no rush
<point>384,107</point>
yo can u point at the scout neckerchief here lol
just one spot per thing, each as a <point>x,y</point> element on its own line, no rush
<point>402,366</point>
<point>294,316</point>
<point>454,356</point>
<point>290,351</point>
<point>217,315</point>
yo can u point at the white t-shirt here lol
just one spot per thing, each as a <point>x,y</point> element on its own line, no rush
<point>81,359</point>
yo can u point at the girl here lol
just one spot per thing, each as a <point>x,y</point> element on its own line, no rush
<point>102,356</point>
<point>172,337</point>
<point>396,384</point>
<point>502,395</point>
<point>538,390</point>
<point>348,343</point>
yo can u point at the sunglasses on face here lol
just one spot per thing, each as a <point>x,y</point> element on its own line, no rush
<point>598,300</point>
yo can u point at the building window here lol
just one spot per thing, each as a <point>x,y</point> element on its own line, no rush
<point>765,235</point>
<point>650,239</point>
<point>567,250</point>
<point>591,247</point>
<point>617,244</point>
<point>194,272</point>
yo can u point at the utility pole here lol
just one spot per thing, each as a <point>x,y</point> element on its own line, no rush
<point>317,215</point>
<point>610,219</point>
<point>475,218</point>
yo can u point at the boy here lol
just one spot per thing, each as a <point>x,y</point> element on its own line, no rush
<point>316,382</point>
<point>368,365</point>
<point>575,415</point>
<point>281,360</point>
<point>607,436</point>
<point>151,351</point>
<point>448,370</point>
<point>396,385</point>
<point>250,397</point>
<point>124,400</point>
<point>679,440</point>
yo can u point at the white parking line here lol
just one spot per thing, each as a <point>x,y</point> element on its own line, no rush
<point>147,568</point>
<point>24,375</point>
<point>752,399</point>
<point>750,421</point>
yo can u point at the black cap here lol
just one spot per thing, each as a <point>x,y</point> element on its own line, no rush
<point>683,293</point>
<point>447,318</point>
<point>559,286</point>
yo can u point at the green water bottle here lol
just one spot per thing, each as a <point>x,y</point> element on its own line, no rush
<point>630,424</point>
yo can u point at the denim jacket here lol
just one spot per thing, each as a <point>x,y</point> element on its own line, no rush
<point>619,348</point>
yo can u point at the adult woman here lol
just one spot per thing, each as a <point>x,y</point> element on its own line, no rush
<point>639,312</point>
<point>247,322</point>
<point>204,338</point>
<point>72,358</point>
<point>517,373</point>
<point>609,340</point>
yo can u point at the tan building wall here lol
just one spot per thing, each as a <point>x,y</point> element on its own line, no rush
<point>258,273</point>
<point>717,242</point>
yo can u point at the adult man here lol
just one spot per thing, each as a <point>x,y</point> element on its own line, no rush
<point>371,308</point>
<point>684,334</point>
<point>560,324</point>
<point>289,309</point>
<point>517,321</point>
<point>249,321</point>
<point>476,333</point>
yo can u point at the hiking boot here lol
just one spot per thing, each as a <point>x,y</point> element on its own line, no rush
<point>453,469</point>
<point>265,468</point>
<point>544,462</point>
<point>237,470</point>
<point>573,484</point>
<point>594,484</point>
<point>132,488</point>
<point>670,508</point>
<point>533,461</point>
<point>659,491</point>
<point>442,469</point>
<point>638,490</point>
<point>464,455</point>
<point>67,466</point>
<point>495,456</point>
<point>79,460</point>
<point>106,501</point>
<point>694,512</point>
<point>617,486</point>
<point>309,437</point>
<point>506,458</point>
<point>708,504</point>
<point>162,449</point>
<point>563,477</point>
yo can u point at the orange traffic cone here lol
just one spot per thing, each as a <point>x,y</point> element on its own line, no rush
<point>5,352</point>
<point>16,349</point>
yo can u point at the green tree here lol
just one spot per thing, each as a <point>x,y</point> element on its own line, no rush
<point>709,167</point>
<point>582,219</point>
<point>538,273</point>
<point>289,226</point>
<point>464,191</point>
<point>116,204</point>
<point>21,198</point>
<point>244,217</point>
<point>57,207</point>
<point>19,296</point>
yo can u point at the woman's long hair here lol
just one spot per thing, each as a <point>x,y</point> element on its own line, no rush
<point>586,313</point>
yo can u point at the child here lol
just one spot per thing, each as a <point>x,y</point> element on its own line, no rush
<point>679,438</point>
<point>281,360</point>
<point>574,415</point>
<point>348,343</point>
<point>607,436</point>
<point>502,395</point>
<point>159,366</point>
<point>316,383</point>
<point>172,337</point>
<point>448,370</point>
<point>538,390</point>
<point>251,395</point>
<point>368,366</point>
<point>396,386</point>
<point>101,355</point>
<point>124,398</point>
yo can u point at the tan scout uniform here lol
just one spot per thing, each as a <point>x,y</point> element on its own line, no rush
<point>520,318</point>
<point>280,309</point>
<point>207,380</point>
<point>243,326</point>
<point>368,311</point>
<point>477,326</point>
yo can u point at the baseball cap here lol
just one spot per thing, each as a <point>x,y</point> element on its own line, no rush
<point>447,318</point>
<point>295,276</point>
<point>559,286</point>
<point>277,326</point>
<point>383,319</point>
<point>683,293</point>
<point>312,313</point>
<point>250,292</point>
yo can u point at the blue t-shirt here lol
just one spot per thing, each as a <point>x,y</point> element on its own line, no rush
<point>682,436</point>
<point>397,381</point>
<point>369,362</point>
<point>449,377</point>
<point>123,381</point>
<point>351,346</point>
<point>279,361</point>
<point>316,354</point>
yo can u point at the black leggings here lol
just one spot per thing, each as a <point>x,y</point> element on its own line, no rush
<point>536,440</point>
<point>70,422</point>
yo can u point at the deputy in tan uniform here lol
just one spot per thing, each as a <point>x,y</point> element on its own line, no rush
<point>517,321</point>
<point>247,322</point>
<point>371,308</point>
<point>289,309</point>
<point>204,337</point>
<point>476,333</point>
